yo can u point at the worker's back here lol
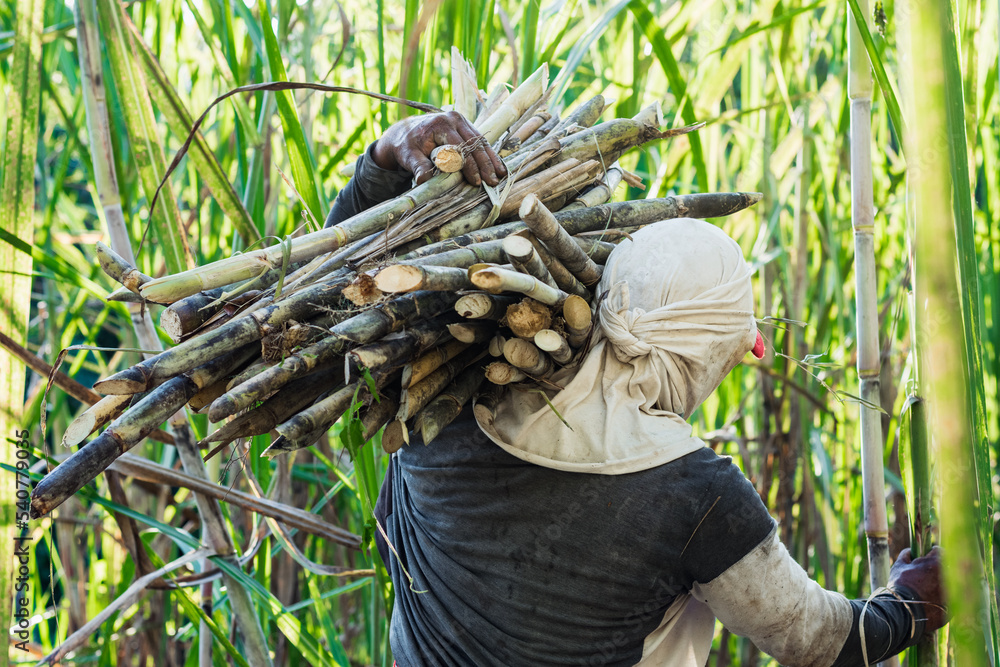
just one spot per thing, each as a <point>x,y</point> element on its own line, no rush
<point>516,564</point>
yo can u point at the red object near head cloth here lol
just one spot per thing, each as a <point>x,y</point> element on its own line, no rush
<point>758,347</point>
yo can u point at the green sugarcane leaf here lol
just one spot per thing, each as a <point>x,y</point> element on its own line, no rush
<point>299,152</point>
<point>146,148</point>
<point>885,83</point>
<point>670,67</point>
<point>180,123</point>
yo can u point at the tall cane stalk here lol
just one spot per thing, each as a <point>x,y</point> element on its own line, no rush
<point>869,366</point>
<point>950,350</point>
<point>99,130</point>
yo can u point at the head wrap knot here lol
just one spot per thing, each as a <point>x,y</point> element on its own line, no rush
<point>619,324</point>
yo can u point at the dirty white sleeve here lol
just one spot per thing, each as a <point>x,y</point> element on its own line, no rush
<point>767,597</point>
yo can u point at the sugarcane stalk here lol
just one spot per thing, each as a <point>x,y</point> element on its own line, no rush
<point>564,280</point>
<point>526,356</point>
<point>584,115</point>
<point>253,369</point>
<point>566,175</point>
<point>235,333</point>
<point>93,418</point>
<point>553,342</point>
<point>431,361</point>
<point>868,359</point>
<point>484,404</point>
<point>542,132</point>
<point>378,414</point>
<point>394,436</point>
<point>525,260</point>
<point>448,158</point>
<point>124,295</point>
<point>600,192</point>
<point>181,318</point>
<point>528,317</point>
<point>578,318</point>
<point>395,349</point>
<point>320,416</point>
<point>501,373</point>
<point>120,269</point>
<point>472,332</point>
<point>495,347</point>
<point>280,407</point>
<point>365,327</point>
<point>609,141</point>
<point>203,398</point>
<point>447,405</point>
<point>529,92</point>
<point>487,252</point>
<point>498,280</point>
<point>481,306</point>
<point>415,397</point>
<point>126,431</point>
<point>407,278</point>
<point>249,265</point>
<point>545,226</point>
<point>529,127</point>
<point>493,101</point>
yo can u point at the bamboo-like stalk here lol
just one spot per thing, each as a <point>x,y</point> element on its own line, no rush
<point>125,432</point>
<point>395,349</point>
<point>497,96</point>
<point>601,191</point>
<point>366,327</point>
<point>394,436</point>
<point>431,361</point>
<point>447,405</point>
<point>564,280</point>
<point>408,278</point>
<point>578,317</point>
<point>950,372</point>
<point>249,265</point>
<point>181,318</point>
<point>501,373</point>
<point>545,226</point>
<point>418,395</point>
<point>204,398</point>
<point>595,247</point>
<point>528,317</point>
<point>481,306</point>
<point>498,280</point>
<point>280,407</point>
<point>524,258</point>
<point>609,141</point>
<point>93,418</point>
<point>120,269</point>
<point>321,415</point>
<point>472,332</point>
<point>484,404</point>
<point>530,90</point>
<point>495,347</point>
<point>553,342</point>
<point>869,362</point>
<point>253,369</point>
<point>584,115</point>
<point>124,295</point>
<point>378,414</point>
<point>542,132</point>
<point>235,333</point>
<point>526,356</point>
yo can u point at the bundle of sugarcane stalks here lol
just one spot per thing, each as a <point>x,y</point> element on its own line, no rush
<point>408,310</point>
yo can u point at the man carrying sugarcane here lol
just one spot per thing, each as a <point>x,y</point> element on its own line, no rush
<point>588,526</point>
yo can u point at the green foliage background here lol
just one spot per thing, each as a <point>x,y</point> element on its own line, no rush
<point>768,76</point>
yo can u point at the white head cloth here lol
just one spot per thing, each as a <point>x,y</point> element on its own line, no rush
<point>677,318</point>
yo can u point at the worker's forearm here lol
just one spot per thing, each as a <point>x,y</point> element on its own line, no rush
<point>369,186</point>
<point>889,628</point>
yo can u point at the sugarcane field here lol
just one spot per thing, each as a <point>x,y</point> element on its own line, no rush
<point>471,333</point>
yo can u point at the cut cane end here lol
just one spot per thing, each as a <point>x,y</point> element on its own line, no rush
<point>398,278</point>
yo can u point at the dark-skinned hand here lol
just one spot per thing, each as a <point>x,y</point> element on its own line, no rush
<point>923,577</point>
<point>407,145</point>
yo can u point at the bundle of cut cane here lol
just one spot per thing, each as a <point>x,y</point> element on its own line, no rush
<point>412,307</point>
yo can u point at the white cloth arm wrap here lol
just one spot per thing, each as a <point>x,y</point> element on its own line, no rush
<point>768,598</point>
